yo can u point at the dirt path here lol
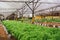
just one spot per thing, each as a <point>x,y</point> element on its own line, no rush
<point>3,35</point>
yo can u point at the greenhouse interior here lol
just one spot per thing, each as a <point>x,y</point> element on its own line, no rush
<point>29,19</point>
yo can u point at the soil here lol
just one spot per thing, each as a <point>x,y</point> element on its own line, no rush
<point>13,38</point>
<point>3,35</point>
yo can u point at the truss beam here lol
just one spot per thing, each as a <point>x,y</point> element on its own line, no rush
<point>47,8</point>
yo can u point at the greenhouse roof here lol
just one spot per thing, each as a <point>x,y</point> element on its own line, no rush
<point>10,6</point>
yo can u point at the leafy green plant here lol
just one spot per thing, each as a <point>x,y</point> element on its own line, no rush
<point>48,20</point>
<point>26,31</point>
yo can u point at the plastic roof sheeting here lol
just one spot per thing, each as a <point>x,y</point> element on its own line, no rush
<point>11,7</point>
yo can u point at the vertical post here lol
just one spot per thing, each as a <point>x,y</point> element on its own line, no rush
<point>33,9</point>
<point>52,14</point>
<point>59,14</point>
<point>33,12</point>
<point>22,14</point>
<point>16,17</point>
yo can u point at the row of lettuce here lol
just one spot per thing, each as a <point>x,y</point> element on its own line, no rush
<point>48,20</point>
<point>26,31</point>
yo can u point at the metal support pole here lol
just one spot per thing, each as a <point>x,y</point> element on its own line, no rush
<point>33,12</point>
<point>22,15</point>
<point>52,13</point>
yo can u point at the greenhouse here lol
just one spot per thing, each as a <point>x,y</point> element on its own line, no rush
<point>29,19</point>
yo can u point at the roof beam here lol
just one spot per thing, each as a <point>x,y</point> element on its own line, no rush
<point>28,6</point>
<point>47,8</point>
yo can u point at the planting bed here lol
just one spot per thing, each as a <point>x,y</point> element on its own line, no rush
<point>49,24</point>
<point>26,31</point>
<point>48,20</point>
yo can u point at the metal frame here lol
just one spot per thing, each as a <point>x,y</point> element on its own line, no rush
<point>33,7</point>
<point>47,8</point>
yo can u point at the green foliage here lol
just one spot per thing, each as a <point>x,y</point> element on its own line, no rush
<point>48,20</point>
<point>26,31</point>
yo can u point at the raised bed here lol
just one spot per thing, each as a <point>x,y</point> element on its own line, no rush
<point>49,24</point>
<point>48,20</point>
<point>26,31</point>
